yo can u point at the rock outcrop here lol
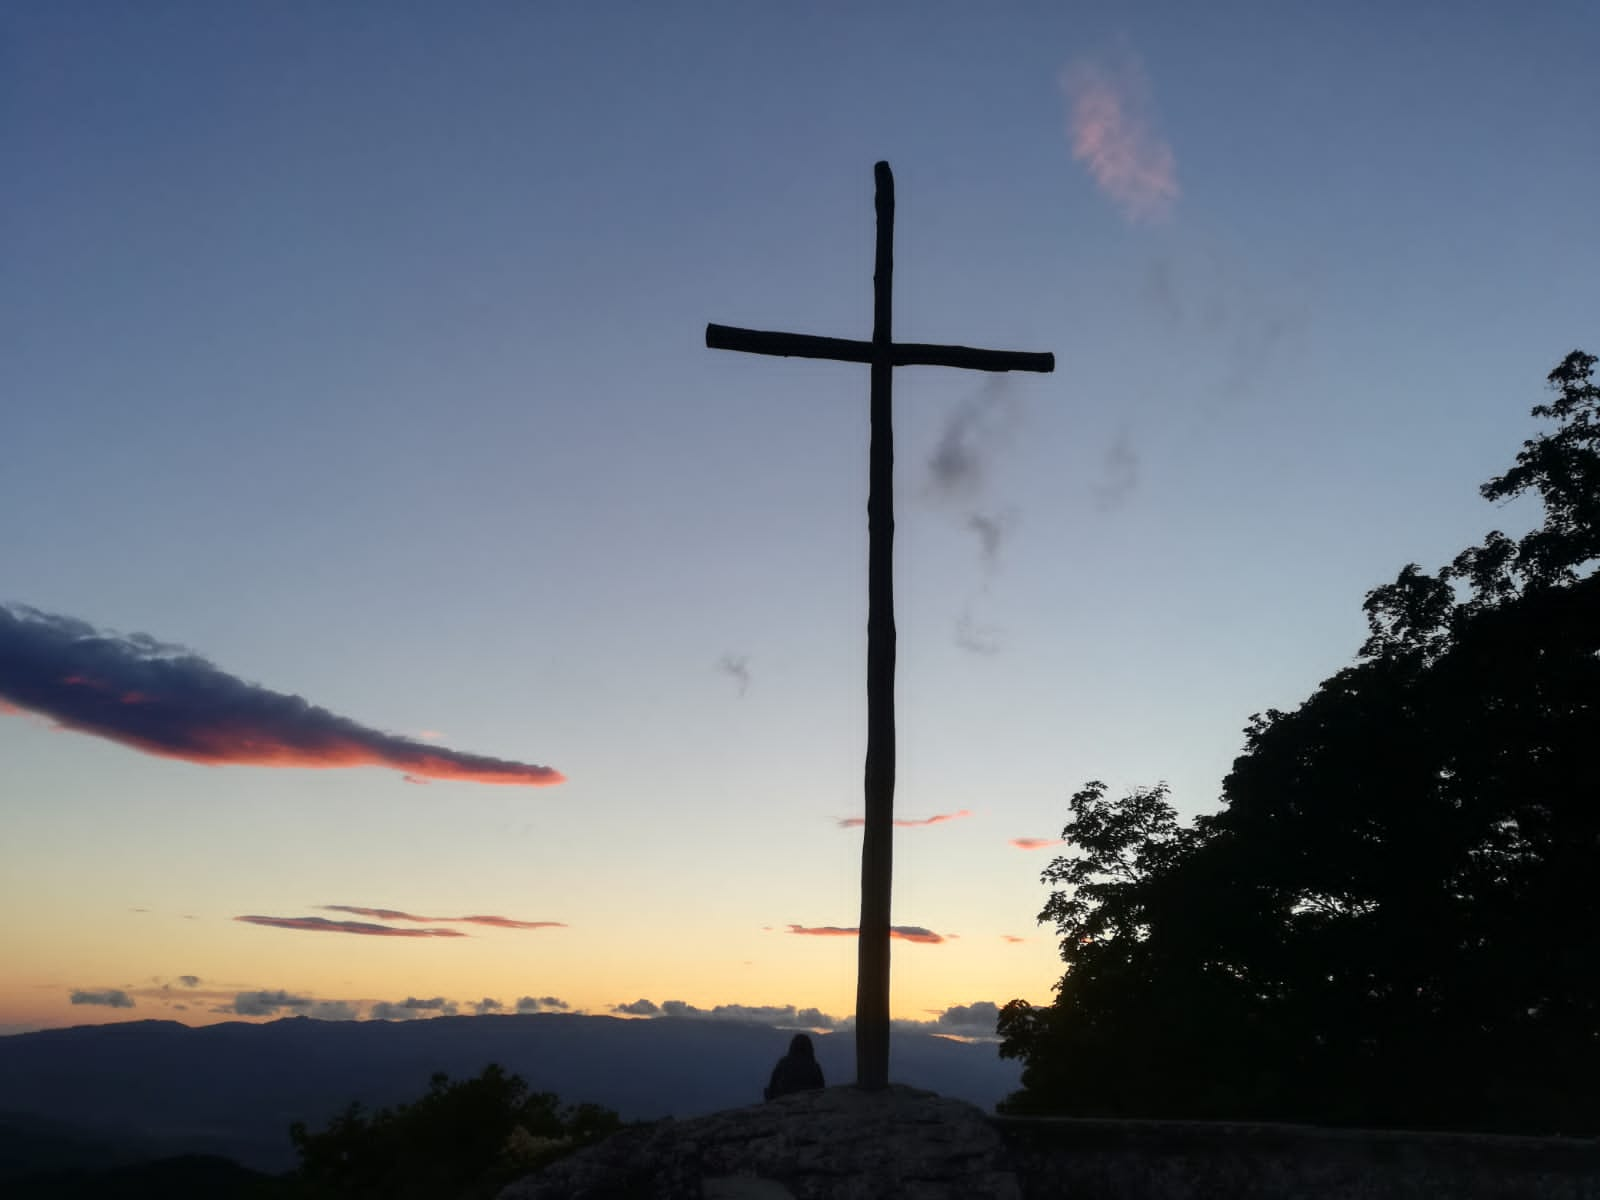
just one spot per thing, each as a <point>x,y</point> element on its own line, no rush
<point>838,1143</point>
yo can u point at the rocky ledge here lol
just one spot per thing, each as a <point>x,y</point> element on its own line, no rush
<point>839,1143</point>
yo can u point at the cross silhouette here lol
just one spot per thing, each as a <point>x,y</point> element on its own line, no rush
<point>883,354</point>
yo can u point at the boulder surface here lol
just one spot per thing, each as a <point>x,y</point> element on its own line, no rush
<point>837,1143</point>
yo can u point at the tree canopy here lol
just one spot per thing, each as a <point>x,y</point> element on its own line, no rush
<point>1393,917</point>
<point>460,1141</point>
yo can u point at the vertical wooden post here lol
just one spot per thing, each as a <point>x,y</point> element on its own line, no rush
<point>877,843</point>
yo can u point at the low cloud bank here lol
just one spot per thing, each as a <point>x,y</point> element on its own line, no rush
<point>968,1022</point>
<point>283,1003</point>
<point>535,1004</point>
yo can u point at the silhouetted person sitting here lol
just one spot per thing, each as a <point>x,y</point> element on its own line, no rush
<point>797,1071</point>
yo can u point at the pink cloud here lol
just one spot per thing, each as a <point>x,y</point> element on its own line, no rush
<point>1034,843</point>
<point>908,823</point>
<point>1012,938</point>
<point>1114,136</point>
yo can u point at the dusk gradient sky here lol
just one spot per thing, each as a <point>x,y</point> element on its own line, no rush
<point>353,356</point>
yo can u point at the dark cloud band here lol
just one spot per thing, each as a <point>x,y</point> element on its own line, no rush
<point>167,701</point>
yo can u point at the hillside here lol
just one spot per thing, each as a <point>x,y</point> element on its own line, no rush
<point>233,1089</point>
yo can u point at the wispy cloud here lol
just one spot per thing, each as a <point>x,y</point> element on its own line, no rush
<point>991,530</point>
<point>394,914</point>
<point>1230,327</point>
<point>969,445</point>
<point>323,925</point>
<point>105,998</point>
<point>975,637</point>
<point>1026,843</point>
<point>488,1005</point>
<point>974,431</point>
<point>189,981</point>
<point>167,701</point>
<point>936,819</point>
<point>908,933</point>
<point>909,823</point>
<point>737,668</point>
<point>506,922</point>
<point>1012,938</point>
<point>377,914</point>
<point>1120,473</point>
<point>1114,134</point>
<point>825,930</point>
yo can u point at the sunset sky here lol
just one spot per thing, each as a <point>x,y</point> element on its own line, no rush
<point>407,610</point>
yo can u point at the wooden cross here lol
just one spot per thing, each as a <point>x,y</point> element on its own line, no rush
<point>883,354</point>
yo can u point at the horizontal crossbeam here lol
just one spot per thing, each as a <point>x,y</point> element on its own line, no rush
<point>902,354</point>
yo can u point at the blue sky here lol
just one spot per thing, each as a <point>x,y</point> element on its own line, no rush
<point>360,349</point>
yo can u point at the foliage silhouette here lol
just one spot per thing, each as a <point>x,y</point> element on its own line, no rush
<point>1393,918</point>
<point>184,1177</point>
<point>460,1141</point>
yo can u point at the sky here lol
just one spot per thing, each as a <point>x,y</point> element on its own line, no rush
<point>408,614</point>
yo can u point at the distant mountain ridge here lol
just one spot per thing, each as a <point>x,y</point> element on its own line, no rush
<point>233,1089</point>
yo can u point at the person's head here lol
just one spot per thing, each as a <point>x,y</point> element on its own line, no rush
<point>800,1047</point>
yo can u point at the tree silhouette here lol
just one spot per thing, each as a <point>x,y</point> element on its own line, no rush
<point>460,1141</point>
<point>1393,918</point>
